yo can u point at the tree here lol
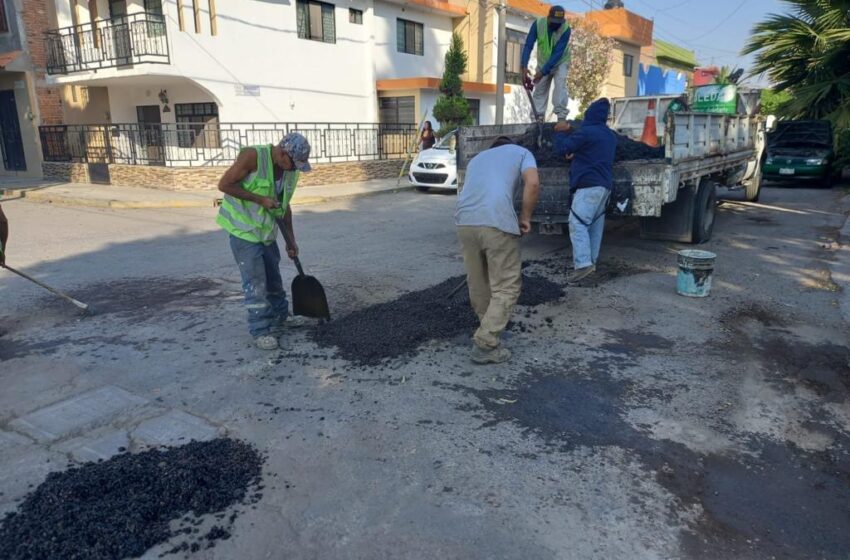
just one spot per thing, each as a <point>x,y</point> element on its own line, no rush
<point>452,108</point>
<point>806,53</point>
<point>772,102</point>
<point>591,56</point>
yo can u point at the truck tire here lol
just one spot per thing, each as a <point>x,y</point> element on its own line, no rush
<point>705,206</point>
<point>753,186</point>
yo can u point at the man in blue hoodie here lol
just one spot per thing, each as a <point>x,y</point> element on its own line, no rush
<point>591,150</point>
<point>551,33</point>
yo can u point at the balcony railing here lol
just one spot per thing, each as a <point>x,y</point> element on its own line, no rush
<point>123,41</point>
<point>217,144</point>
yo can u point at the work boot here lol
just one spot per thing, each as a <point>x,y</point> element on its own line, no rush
<point>580,274</point>
<point>266,342</point>
<point>492,356</point>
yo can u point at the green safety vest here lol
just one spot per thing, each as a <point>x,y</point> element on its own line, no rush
<point>248,220</point>
<point>546,44</point>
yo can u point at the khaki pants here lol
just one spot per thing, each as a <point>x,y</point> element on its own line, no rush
<point>493,272</point>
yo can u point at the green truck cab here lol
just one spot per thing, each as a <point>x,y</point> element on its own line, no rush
<point>799,151</point>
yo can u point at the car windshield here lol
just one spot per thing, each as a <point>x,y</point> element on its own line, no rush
<point>447,142</point>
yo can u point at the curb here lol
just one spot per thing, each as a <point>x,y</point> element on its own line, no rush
<point>64,200</point>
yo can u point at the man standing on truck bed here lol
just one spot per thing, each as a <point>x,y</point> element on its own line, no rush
<point>551,34</point>
<point>257,189</point>
<point>591,150</point>
<point>489,232</point>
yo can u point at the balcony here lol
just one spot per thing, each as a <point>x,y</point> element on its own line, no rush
<point>139,38</point>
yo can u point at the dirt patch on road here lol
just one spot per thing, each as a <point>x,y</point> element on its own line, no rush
<point>779,502</point>
<point>398,327</point>
<point>123,506</point>
<point>140,296</point>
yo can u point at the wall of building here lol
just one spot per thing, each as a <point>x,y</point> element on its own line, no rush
<point>123,100</point>
<point>617,84</point>
<point>206,178</point>
<point>85,105</point>
<point>389,63</point>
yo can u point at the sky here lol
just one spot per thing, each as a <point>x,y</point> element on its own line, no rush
<point>716,30</point>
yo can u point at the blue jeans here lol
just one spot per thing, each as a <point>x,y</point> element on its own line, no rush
<point>587,222</point>
<point>265,298</point>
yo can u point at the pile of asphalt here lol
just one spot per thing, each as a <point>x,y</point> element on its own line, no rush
<point>627,149</point>
<point>397,328</point>
<point>123,506</point>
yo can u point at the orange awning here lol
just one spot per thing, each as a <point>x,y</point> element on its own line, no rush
<point>433,83</point>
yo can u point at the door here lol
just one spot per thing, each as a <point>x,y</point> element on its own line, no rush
<point>150,133</point>
<point>122,47</point>
<point>10,129</point>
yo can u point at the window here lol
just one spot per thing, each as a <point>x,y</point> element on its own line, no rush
<point>155,19</point>
<point>316,21</point>
<point>153,6</point>
<point>355,16</point>
<point>410,37</point>
<point>117,9</point>
<point>513,61</point>
<point>197,125</point>
<point>628,63</point>
<point>397,110</point>
<point>4,23</point>
<point>475,110</point>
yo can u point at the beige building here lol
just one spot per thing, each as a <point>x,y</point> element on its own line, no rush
<point>631,33</point>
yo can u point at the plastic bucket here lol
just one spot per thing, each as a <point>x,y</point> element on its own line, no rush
<point>695,271</point>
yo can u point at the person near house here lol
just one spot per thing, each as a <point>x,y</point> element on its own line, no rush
<point>591,150</point>
<point>552,35</point>
<point>427,138</point>
<point>257,189</point>
<point>489,232</point>
<point>4,236</point>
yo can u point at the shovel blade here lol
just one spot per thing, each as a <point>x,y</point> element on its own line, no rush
<point>308,298</point>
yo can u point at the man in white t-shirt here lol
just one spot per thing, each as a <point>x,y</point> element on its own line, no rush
<point>489,232</point>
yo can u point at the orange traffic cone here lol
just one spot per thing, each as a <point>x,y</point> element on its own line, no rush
<point>650,135</point>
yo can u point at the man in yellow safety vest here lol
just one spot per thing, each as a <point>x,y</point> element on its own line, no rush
<point>257,189</point>
<point>552,35</point>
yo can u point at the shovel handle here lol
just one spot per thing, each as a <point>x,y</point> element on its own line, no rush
<point>298,266</point>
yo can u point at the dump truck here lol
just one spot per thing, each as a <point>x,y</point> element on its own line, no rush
<point>674,195</point>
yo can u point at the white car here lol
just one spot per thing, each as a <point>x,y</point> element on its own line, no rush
<point>436,168</point>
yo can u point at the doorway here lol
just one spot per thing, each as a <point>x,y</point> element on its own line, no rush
<point>10,129</point>
<point>150,133</point>
<point>120,32</point>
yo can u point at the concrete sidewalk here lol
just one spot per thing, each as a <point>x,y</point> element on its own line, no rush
<point>110,196</point>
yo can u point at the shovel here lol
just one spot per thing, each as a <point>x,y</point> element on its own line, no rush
<point>308,296</point>
<point>528,85</point>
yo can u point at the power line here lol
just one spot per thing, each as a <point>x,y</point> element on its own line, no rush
<point>724,20</point>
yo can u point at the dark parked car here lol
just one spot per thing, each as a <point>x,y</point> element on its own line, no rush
<point>799,151</point>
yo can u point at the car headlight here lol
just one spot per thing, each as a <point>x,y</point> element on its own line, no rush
<point>815,161</point>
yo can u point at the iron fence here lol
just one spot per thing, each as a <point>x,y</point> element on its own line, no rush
<point>217,144</point>
<point>121,41</point>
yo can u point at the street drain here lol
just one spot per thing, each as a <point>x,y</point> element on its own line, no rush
<point>123,506</point>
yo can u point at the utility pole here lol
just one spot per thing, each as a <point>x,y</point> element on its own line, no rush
<point>501,61</point>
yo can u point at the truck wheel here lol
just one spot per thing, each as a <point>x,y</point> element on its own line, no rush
<point>705,206</point>
<point>753,186</point>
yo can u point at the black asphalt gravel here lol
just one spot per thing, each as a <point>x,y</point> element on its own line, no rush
<point>398,327</point>
<point>121,507</point>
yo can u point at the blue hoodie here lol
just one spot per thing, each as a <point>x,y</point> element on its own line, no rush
<point>593,146</point>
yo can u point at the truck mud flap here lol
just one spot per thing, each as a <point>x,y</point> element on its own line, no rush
<point>677,219</point>
<point>620,201</point>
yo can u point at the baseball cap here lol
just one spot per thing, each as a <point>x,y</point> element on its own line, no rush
<point>298,148</point>
<point>556,14</point>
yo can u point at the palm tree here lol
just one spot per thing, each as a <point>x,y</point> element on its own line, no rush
<point>807,53</point>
